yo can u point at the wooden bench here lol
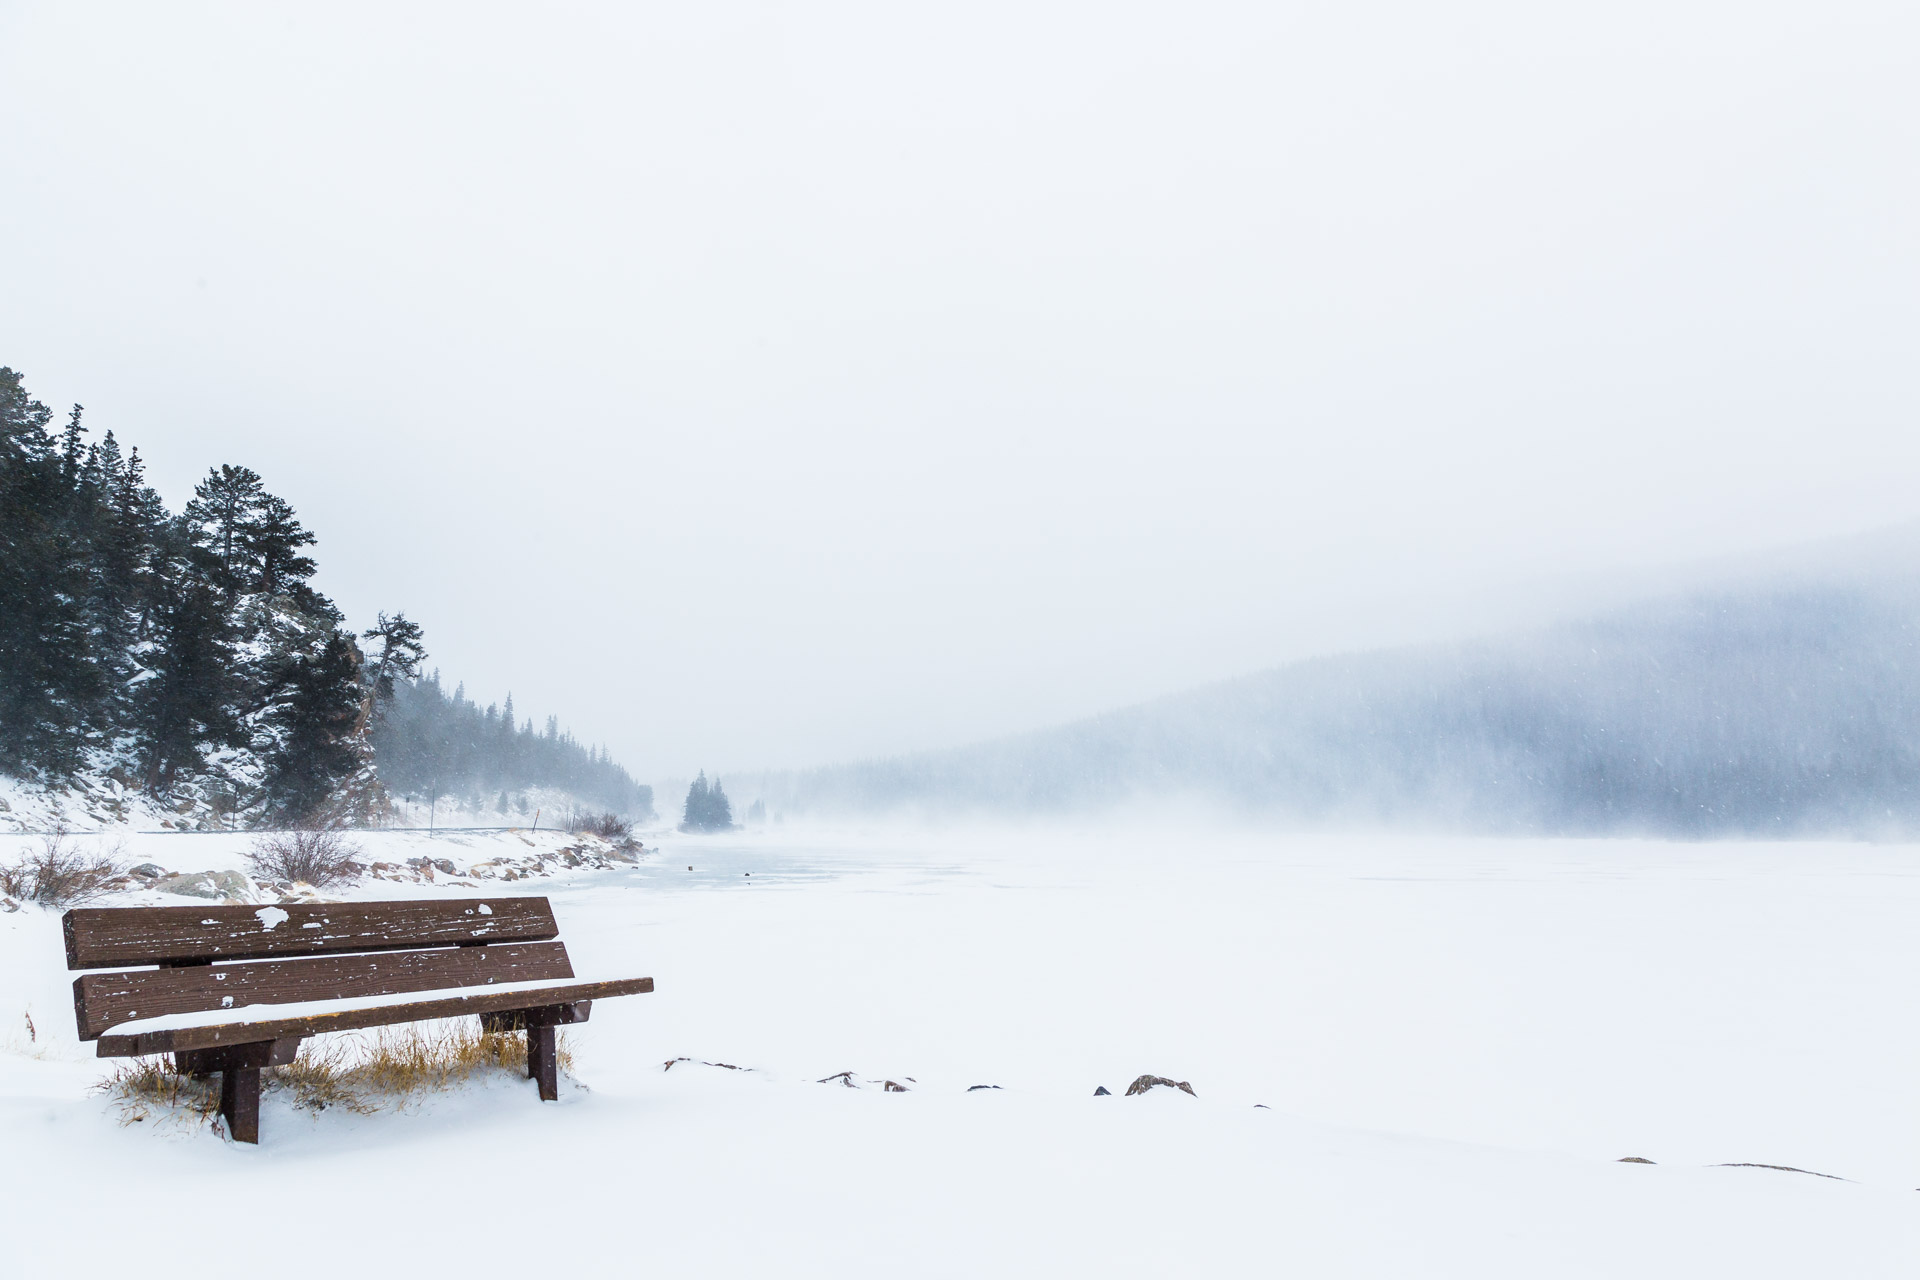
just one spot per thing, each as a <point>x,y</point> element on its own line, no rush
<point>236,989</point>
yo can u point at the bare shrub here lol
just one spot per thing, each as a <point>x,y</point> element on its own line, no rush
<point>318,857</point>
<point>608,826</point>
<point>59,875</point>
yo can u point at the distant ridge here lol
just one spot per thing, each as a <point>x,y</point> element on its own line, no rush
<point>1784,701</point>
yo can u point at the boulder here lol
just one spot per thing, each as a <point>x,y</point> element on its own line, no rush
<point>232,884</point>
<point>148,871</point>
<point>198,884</point>
<point>207,884</point>
<point>1145,1083</point>
<point>1100,1091</point>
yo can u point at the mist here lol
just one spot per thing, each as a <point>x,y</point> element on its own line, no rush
<point>1780,703</point>
<point>770,389</point>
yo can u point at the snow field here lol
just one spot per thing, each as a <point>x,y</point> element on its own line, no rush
<point>1457,1040</point>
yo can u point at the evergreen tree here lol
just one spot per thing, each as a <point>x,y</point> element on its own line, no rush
<point>220,515</point>
<point>707,807</point>
<point>401,651</point>
<point>187,703</point>
<point>316,721</point>
<point>50,683</point>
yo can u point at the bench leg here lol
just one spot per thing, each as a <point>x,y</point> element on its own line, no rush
<point>543,1060</point>
<point>240,1102</point>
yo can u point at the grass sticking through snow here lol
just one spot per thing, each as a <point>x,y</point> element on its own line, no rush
<point>392,1067</point>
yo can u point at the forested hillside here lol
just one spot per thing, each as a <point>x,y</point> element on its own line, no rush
<point>1782,708</point>
<point>431,743</point>
<point>183,660</point>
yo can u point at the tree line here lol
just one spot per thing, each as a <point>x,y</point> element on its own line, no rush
<point>432,743</point>
<point>185,656</point>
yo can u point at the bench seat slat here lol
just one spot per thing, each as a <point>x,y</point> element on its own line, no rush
<point>104,1000</point>
<point>262,1022</point>
<point>116,937</point>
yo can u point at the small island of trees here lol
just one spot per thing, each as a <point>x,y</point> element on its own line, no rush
<point>707,807</point>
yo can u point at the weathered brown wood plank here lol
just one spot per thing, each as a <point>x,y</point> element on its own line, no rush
<point>553,1015</point>
<point>260,1053</point>
<point>479,1001</point>
<point>114,937</point>
<point>104,1000</point>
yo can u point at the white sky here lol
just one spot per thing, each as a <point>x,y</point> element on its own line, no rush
<point>767,385</point>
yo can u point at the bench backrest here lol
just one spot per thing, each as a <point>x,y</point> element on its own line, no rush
<point>296,952</point>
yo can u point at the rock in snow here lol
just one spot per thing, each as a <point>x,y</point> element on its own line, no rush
<point>207,884</point>
<point>1145,1083</point>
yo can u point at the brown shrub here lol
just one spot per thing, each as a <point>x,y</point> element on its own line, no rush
<point>59,875</point>
<point>608,826</point>
<point>318,857</point>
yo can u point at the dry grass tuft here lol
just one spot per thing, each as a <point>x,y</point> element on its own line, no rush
<point>317,856</point>
<point>321,1077</point>
<point>59,875</point>
<point>151,1089</point>
<point>429,1057</point>
<point>352,1072</point>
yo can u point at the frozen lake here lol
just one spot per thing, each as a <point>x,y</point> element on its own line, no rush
<point>1455,1039</point>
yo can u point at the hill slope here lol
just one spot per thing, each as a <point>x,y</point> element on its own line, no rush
<point>1760,709</point>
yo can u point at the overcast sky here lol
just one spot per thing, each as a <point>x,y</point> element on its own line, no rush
<point>763,385</point>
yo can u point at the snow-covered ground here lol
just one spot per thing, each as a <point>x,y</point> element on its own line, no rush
<point>1453,1043</point>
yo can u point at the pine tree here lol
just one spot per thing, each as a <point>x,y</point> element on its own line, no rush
<point>50,682</point>
<point>221,513</point>
<point>316,721</point>
<point>70,454</point>
<point>402,650</point>
<point>188,703</point>
<point>707,807</point>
